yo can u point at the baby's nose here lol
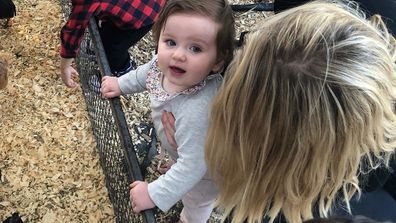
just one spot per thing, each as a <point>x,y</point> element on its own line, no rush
<point>179,54</point>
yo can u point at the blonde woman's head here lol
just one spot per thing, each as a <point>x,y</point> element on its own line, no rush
<point>306,106</point>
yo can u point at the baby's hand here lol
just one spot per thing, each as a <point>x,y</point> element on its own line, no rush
<point>139,196</point>
<point>110,87</point>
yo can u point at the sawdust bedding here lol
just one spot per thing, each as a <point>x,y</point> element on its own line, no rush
<point>50,170</point>
<point>49,167</point>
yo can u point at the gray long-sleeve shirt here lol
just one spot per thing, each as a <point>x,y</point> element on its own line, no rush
<point>191,112</point>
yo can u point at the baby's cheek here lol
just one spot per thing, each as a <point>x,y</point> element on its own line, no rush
<point>162,62</point>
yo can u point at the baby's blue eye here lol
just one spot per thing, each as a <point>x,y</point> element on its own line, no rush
<point>170,42</point>
<point>195,49</point>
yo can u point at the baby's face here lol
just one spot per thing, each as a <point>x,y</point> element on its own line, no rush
<point>187,50</point>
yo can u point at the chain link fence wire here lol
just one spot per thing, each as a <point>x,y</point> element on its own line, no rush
<point>114,145</point>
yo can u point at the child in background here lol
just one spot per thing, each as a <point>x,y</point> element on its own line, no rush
<point>306,107</point>
<point>195,42</point>
<point>121,24</point>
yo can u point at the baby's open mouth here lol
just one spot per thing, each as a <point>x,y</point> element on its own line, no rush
<point>177,70</point>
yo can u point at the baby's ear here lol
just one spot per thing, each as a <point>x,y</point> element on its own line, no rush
<point>218,66</point>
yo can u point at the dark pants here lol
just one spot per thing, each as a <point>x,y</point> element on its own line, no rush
<point>378,205</point>
<point>116,43</point>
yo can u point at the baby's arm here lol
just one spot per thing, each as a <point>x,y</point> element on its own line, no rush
<point>131,82</point>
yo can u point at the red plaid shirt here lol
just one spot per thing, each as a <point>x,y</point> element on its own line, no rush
<point>125,14</point>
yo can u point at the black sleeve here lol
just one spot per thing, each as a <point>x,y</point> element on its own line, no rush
<point>380,177</point>
<point>280,5</point>
<point>390,184</point>
<point>385,8</point>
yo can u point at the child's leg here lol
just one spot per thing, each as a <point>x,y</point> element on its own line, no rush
<point>198,203</point>
<point>116,43</point>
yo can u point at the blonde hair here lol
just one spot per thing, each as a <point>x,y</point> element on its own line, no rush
<point>305,106</point>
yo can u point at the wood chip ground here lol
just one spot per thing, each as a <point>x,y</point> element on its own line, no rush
<point>49,167</point>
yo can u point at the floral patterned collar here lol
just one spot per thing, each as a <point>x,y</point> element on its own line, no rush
<point>154,85</point>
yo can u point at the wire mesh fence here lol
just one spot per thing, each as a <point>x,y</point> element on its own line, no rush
<point>104,126</point>
<point>114,145</point>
